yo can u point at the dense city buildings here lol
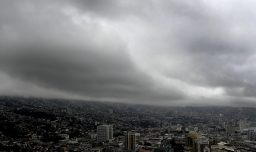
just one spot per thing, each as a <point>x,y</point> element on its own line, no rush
<point>104,133</point>
<point>34,124</point>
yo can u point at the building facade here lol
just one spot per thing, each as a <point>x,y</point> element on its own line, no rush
<point>104,133</point>
<point>130,141</point>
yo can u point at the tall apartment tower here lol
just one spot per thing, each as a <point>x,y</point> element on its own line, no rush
<point>130,141</point>
<point>104,133</point>
<point>110,128</point>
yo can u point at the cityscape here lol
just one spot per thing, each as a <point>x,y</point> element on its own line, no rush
<point>127,76</point>
<point>37,124</point>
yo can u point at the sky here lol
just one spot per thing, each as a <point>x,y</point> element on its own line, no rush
<point>160,52</point>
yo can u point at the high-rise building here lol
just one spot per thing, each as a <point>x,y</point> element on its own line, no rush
<point>197,143</point>
<point>130,141</point>
<point>110,132</point>
<point>203,145</point>
<point>104,133</point>
<point>243,124</point>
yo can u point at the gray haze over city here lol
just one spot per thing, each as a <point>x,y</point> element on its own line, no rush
<point>161,52</point>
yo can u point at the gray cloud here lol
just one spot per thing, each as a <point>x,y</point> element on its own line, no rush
<point>55,55</point>
<point>155,52</point>
<point>218,54</point>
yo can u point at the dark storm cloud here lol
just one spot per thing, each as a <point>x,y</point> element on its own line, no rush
<point>51,52</point>
<point>86,71</point>
<point>157,52</point>
<point>89,72</point>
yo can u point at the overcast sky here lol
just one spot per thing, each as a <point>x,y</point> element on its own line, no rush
<point>162,52</point>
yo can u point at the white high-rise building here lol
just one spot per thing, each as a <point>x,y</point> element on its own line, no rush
<point>104,133</point>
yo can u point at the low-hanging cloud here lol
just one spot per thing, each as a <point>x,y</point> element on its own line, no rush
<point>152,52</point>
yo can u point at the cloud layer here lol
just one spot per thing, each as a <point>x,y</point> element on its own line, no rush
<point>152,52</point>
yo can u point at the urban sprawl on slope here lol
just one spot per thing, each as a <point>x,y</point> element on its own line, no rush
<point>36,124</point>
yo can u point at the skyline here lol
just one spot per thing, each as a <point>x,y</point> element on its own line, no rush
<point>147,52</point>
